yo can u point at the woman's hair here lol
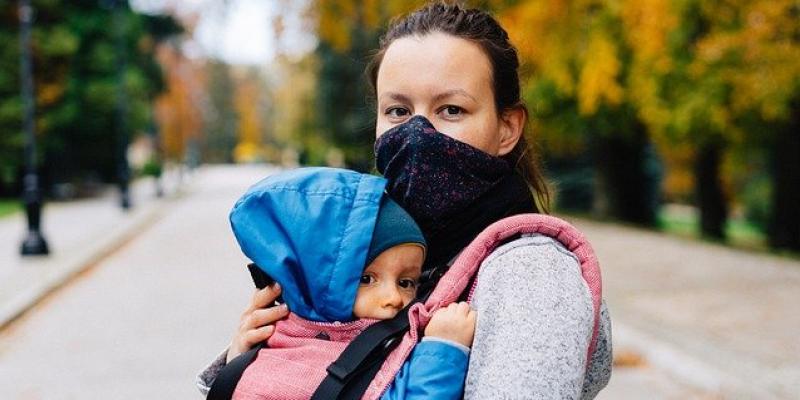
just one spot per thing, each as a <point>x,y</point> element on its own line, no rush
<point>481,28</point>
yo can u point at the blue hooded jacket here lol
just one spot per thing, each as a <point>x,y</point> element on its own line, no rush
<point>310,230</point>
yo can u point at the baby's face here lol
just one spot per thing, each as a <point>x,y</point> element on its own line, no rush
<point>389,283</point>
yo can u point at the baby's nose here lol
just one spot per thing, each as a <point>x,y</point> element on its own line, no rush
<point>392,297</point>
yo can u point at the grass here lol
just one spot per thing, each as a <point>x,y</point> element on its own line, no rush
<point>8,207</point>
<point>685,221</point>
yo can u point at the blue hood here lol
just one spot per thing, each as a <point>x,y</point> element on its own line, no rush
<point>310,230</point>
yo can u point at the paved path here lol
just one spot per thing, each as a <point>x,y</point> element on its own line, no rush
<point>719,319</point>
<point>79,233</point>
<point>141,323</point>
<point>691,320</point>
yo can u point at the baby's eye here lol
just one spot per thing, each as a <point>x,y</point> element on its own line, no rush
<point>407,283</point>
<point>367,279</point>
<point>397,112</point>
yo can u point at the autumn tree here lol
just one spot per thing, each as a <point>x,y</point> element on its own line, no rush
<point>76,80</point>
<point>348,32</point>
<point>723,77</point>
<point>179,109</point>
<point>577,63</point>
<point>252,106</point>
<point>221,120</point>
<point>753,48</point>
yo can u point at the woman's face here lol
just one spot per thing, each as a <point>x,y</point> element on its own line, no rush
<point>448,80</point>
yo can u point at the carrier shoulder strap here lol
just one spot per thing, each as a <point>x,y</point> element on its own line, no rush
<point>349,376</point>
<point>227,379</point>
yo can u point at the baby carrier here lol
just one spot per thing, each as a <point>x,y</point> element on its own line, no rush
<point>367,366</point>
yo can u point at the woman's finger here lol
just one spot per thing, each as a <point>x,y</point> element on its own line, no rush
<point>245,340</point>
<point>265,316</point>
<point>255,336</point>
<point>265,297</point>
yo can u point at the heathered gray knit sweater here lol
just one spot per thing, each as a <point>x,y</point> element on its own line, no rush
<point>534,326</point>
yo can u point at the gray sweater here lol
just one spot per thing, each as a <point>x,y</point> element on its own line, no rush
<point>534,327</point>
<point>535,322</point>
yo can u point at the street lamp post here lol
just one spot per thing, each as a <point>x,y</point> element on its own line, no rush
<point>123,169</point>
<point>34,242</point>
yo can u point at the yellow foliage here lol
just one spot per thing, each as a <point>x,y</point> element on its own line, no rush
<point>293,97</point>
<point>754,47</point>
<point>334,20</point>
<point>179,108</point>
<point>647,24</point>
<point>246,101</point>
<point>247,152</point>
<point>678,158</point>
<point>50,93</point>
<point>598,78</point>
<point>545,39</point>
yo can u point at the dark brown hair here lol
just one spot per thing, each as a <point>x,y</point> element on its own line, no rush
<point>481,28</point>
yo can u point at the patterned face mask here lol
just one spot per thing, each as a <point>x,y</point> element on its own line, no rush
<point>432,175</point>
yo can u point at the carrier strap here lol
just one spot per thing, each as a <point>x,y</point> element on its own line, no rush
<point>349,376</point>
<point>229,376</point>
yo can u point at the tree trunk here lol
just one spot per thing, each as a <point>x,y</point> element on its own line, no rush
<point>784,230</point>
<point>629,176</point>
<point>708,189</point>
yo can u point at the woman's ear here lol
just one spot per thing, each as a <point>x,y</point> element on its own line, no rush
<point>512,124</point>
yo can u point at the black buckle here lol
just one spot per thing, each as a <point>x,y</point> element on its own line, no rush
<point>337,372</point>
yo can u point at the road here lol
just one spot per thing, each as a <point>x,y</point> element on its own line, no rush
<point>142,322</point>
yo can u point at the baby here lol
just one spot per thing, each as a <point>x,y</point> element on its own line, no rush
<point>314,230</point>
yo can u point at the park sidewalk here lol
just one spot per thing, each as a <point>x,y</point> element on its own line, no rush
<point>721,320</point>
<point>79,233</point>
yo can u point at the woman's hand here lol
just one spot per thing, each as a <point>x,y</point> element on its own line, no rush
<point>455,322</point>
<point>257,321</point>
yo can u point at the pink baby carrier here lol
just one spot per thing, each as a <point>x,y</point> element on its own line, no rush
<point>454,282</point>
<point>343,380</point>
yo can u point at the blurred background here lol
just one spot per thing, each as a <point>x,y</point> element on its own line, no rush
<point>680,115</point>
<point>673,122</point>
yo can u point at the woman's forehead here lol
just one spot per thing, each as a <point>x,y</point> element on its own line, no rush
<point>432,64</point>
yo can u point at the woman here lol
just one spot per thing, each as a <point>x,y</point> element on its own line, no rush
<point>450,140</point>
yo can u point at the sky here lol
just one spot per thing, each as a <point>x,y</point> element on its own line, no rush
<point>239,31</point>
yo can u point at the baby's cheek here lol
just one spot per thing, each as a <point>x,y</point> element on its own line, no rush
<point>409,297</point>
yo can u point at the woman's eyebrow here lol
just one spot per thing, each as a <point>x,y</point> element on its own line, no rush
<point>453,92</point>
<point>397,97</point>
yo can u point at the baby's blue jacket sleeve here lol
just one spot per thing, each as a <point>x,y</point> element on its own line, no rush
<point>435,370</point>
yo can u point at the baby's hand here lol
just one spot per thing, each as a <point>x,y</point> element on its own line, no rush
<point>455,322</point>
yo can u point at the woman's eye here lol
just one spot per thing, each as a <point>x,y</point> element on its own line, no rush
<point>397,112</point>
<point>407,283</point>
<point>367,279</point>
<point>451,111</point>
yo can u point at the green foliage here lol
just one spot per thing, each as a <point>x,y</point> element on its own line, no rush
<point>344,115</point>
<point>685,222</point>
<point>8,207</point>
<point>151,168</point>
<point>222,121</point>
<point>78,59</point>
<point>756,199</point>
